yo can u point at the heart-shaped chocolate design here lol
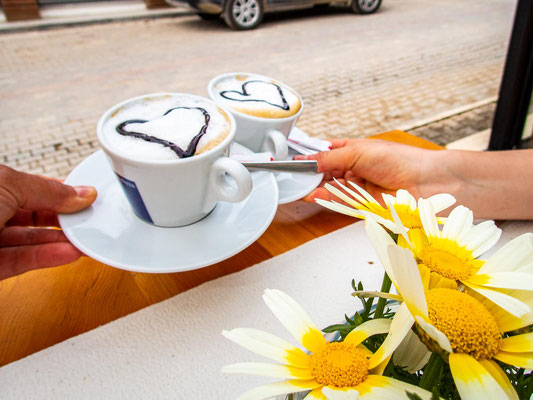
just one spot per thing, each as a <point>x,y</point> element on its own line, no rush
<point>191,148</point>
<point>245,95</point>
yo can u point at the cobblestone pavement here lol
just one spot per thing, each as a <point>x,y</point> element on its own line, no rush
<point>358,75</point>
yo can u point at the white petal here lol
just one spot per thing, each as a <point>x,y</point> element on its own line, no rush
<point>473,381</point>
<point>363,192</point>
<point>441,201</point>
<point>400,327</point>
<point>412,355</point>
<point>501,377</point>
<point>481,238</point>
<point>380,240</point>
<point>509,303</point>
<point>400,228</point>
<point>390,225</point>
<point>340,208</point>
<point>435,334</point>
<point>266,369</point>
<point>341,195</point>
<point>295,319</point>
<point>458,224</point>
<point>505,280</point>
<point>267,345</point>
<point>337,394</point>
<point>407,279</point>
<point>427,216</point>
<point>367,329</point>
<point>514,255</point>
<point>356,196</point>
<point>278,388</point>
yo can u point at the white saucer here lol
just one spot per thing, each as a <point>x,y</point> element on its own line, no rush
<point>109,232</point>
<point>293,187</point>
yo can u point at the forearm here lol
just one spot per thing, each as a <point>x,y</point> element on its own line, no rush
<point>495,185</point>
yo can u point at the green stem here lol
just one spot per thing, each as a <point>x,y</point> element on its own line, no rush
<point>385,287</point>
<point>432,372</point>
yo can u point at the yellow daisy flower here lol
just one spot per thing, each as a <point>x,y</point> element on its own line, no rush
<point>466,329</point>
<point>404,204</point>
<point>331,370</point>
<point>450,256</point>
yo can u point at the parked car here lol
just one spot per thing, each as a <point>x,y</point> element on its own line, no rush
<point>248,14</point>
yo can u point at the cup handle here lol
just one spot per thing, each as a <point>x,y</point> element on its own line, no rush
<point>221,189</point>
<point>276,143</point>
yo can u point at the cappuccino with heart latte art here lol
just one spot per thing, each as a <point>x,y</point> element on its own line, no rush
<point>257,96</point>
<point>166,127</point>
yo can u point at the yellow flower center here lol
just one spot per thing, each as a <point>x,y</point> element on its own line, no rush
<point>340,365</point>
<point>410,218</point>
<point>469,326</point>
<point>446,258</point>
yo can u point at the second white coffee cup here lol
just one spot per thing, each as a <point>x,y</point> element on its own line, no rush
<point>257,133</point>
<point>179,191</point>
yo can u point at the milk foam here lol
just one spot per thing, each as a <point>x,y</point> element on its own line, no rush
<point>258,96</point>
<point>179,126</point>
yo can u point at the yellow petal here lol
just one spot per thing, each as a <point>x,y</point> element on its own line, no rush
<point>367,329</point>
<point>315,394</point>
<point>279,388</point>
<point>266,369</point>
<point>522,360</point>
<point>400,326</point>
<point>382,387</point>
<point>295,319</point>
<point>473,381</point>
<point>500,377</point>
<point>518,344</point>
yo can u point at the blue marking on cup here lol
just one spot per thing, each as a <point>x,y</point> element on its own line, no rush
<point>135,199</point>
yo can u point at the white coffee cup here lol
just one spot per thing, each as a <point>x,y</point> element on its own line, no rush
<point>180,191</point>
<point>258,133</point>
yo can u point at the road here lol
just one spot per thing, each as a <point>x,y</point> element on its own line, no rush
<point>358,75</point>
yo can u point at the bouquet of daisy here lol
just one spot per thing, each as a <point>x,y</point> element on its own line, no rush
<point>445,324</point>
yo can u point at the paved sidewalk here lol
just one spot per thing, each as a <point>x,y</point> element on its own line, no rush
<point>358,75</point>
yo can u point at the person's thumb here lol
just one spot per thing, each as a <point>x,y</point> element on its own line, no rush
<point>22,190</point>
<point>335,162</point>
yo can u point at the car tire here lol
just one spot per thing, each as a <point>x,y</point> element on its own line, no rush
<point>208,17</point>
<point>243,14</point>
<point>365,6</point>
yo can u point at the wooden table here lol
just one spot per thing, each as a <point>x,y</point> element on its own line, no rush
<point>44,307</point>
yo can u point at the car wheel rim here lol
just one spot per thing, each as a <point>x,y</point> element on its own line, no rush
<point>367,5</point>
<point>246,12</point>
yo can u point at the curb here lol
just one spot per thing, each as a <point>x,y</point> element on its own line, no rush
<point>43,24</point>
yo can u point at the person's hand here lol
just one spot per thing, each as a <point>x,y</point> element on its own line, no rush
<point>376,165</point>
<point>29,201</point>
